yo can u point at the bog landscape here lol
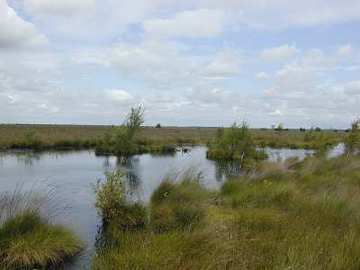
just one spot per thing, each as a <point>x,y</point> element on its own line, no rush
<point>265,211</point>
<point>179,135</point>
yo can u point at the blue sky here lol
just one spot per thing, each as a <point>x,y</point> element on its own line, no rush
<point>190,63</point>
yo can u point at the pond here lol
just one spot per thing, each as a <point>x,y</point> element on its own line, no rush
<point>73,174</point>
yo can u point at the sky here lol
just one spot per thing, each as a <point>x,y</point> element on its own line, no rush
<point>189,62</point>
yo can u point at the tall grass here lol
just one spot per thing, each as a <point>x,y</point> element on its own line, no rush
<point>27,237</point>
<point>301,215</point>
<point>178,205</point>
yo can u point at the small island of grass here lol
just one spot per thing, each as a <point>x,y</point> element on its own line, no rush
<point>28,240</point>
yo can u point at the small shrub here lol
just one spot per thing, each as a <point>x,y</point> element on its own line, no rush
<point>110,194</point>
<point>121,141</point>
<point>113,207</point>
<point>235,143</point>
<point>353,139</point>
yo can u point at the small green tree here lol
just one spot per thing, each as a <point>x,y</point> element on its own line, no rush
<point>134,121</point>
<point>124,135</point>
<point>353,139</point>
<point>234,143</point>
<point>280,127</point>
<point>121,141</point>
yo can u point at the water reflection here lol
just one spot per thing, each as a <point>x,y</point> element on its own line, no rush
<point>338,150</point>
<point>28,158</point>
<point>133,181</point>
<point>226,169</point>
<point>280,155</point>
<point>107,164</point>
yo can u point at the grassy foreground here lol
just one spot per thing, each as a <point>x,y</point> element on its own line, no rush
<point>43,137</point>
<point>27,238</point>
<point>297,215</point>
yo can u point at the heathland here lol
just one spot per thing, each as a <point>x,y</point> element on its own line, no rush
<point>273,215</point>
<point>63,137</point>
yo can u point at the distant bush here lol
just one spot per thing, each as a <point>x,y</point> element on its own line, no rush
<point>280,127</point>
<point>234,143</point>
<point>121,141</point>
<point>158,125</point>
<point>352,141</point>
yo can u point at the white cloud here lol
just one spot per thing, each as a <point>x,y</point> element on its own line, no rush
<point>170,55</point>
<point>63,7</point>
<point>92,19</point>
<point>262,76</point>
<point>284,14</point>
<point>281,53</point>
<point>345,50</point>
<point>225,64</point>
<point>118,95</point>
<point>277,112</point>
<point>16,32</point>
<point>158,64</point>
<point>352,88</point>
<point>191,24</point>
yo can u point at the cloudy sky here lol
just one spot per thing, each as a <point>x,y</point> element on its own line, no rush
<point>189,62</point>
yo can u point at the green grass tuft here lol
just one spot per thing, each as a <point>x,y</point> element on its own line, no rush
<point>27,240</point>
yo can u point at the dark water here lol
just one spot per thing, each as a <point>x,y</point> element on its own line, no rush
<point>73,174</point>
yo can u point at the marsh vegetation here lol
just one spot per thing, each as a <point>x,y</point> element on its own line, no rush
<point>28,239</point>
<point>294,214</point>
<point>65,137</point>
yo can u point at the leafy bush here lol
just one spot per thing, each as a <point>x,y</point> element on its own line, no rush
<point>113,207</point>
<point>121,141</point>
<point>353,139</point>
<point>235,143</point>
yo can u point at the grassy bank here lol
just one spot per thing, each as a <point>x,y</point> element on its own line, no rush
<point>45,137</point>
<point>297,215</point>
<point>28,240</point>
